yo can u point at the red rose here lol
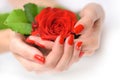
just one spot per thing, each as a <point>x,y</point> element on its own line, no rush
<point>51,22</point>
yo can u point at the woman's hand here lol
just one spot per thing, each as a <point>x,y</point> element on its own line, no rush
<point>60,55</point>
<point>30,57</point>
<point>4,40</point>
<point>92,17</point>
<point>89,27</point>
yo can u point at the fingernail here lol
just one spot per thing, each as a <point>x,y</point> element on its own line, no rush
<point>40,45</point>
<point>29,41</point>
<point>39,58</point>
<point>71,40</point>
<point>81,54</point>
<point>78,29</point>
<point>61,39</point>
<point>78,45</point>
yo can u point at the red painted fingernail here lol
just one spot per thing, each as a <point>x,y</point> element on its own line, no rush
<point>61,39</point>
<point>40,45</point>
<point>71,39</point>
<point>29,41</point>
<point>78,45</point>
<point>81,54</point>
<point>78,29</point>
<point>39,58</point>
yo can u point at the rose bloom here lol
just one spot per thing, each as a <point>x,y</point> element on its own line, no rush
<point>52,22</point>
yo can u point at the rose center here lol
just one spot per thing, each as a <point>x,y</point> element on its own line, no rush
<point>57,27</point>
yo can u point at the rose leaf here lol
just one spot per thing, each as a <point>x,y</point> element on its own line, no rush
<point>3,17</point>
<point>78,17</point>
<point>16,16</point>
<point>22,28</point>
<point>2,26</point>
<point>30,11</point>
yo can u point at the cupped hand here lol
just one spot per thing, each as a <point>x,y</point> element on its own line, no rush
<point>30,57</point>
<point>92,17</point>
<point>61,53</point>
<point>89,27</point>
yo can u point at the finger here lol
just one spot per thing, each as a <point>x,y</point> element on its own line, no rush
<point>56,53</point>
<point>89,53</point>
<point>26,51</point>
<point>90,44</point>
<point>83,25</point>
<point>86,50</point>
<point>76,53</point>
<point>30,65</point>
<point>94,11</point>
<point>91,41</point>
<point>68,52</point>
<point>89,15</point>
<point>39,42</point>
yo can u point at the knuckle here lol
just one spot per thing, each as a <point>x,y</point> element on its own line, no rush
<point>50,65</point>
<point>38,72</point>
<point>11,45</point>
<point>59,69</point>
<point>75,57</point>
<point>90,20</point>
<point>89,53</point>
<point>29,68</point>
<point>77,60</point>
<point>96,46</point>
<point>25,54</point>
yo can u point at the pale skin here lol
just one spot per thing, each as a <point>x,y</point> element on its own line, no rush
<point>61,56</point>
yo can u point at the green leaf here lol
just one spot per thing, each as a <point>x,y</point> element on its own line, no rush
<point>2,26</point>
<point>16,16</point>
<point>30,11</point>
<point>3,17</point>
<point>22,28</point>
<point>78,17</point>
<point>40,8</point>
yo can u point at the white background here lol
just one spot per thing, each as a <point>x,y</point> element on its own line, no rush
<point>104,65</point>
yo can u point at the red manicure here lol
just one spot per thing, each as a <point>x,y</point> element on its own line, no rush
<point>29,41</point>
<point>71,40</point>
<point>61,39</point>
<point>78,45</point>
<point>78,29</point>
<point>81,54</point>
<point>40,45</point>
<point>39,58</point>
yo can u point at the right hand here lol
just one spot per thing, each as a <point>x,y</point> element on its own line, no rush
<point>30,57</point>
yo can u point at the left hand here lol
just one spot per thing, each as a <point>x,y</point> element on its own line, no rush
<point>92,17</point>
